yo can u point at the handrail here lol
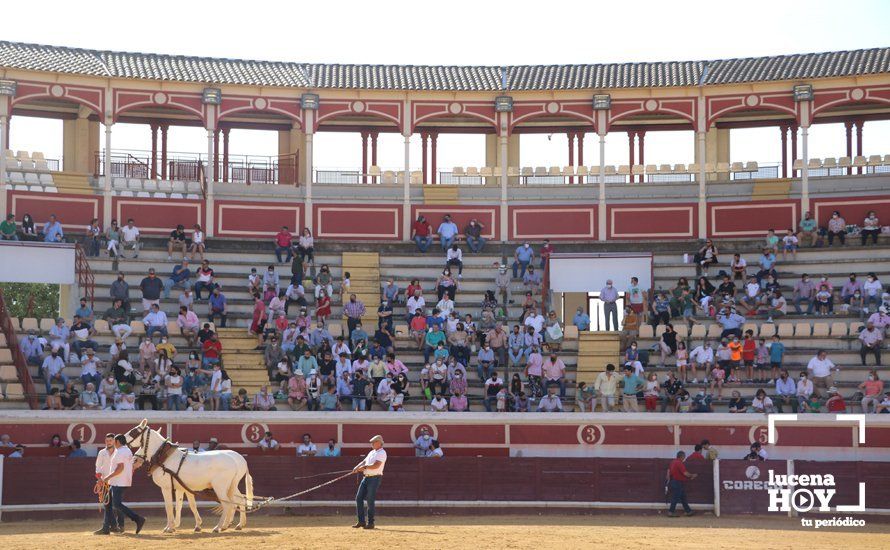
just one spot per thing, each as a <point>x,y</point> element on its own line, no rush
<point>85,279</point>
<point>202,180</point>
<point>21,366</point>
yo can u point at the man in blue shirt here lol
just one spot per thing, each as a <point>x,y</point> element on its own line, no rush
<point>731,322</point>
<point>632,384</point>
<point>218,307</point>
<point>32,348</point>
<point>581,320</point>
<point>447,232</point>
<point>52,231</point>
<point>178,277</point>
<point>767,263</point>
<point>786,391</point>
<point>524,255</point>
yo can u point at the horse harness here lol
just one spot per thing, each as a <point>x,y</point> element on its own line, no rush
<point>159,459</point>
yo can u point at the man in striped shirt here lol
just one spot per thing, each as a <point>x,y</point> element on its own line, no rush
<point>353,309</point>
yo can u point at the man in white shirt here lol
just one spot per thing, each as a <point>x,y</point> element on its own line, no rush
<point>372,468</point>
<point>307,447</point>
<point>535,320</point>
<point>119,477</point>
<point>820,368</point>
<point>90,366</point>
<point>702,356</point>
<point>414,303</point>
<point>268,443</point>
<point>550,402</point>
<point>455,256</point>
<point>155,321</point>
<point>103,461</point>
<point>130,238</point>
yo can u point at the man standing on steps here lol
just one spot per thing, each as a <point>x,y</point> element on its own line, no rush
<point>609,297</point>
<point>502,281</point>
<point>120,477</point>
<point>353,311</point>
<point>371,468</point>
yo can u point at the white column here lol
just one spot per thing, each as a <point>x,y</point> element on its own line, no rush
<point>407,218</point>
<point>106,192</point>
<point>209,185</point>
<point>601,205</point>
<point>309,122</point>
<point>805,172</point>
<point>3,206</point>
<point>503,140</point>
<point>702,188</point>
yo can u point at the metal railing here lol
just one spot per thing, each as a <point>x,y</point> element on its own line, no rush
<point>21,365</point>
<point>762,172</point>
<point>85,279</point>
<point>280,170</point>
<point>448,178</point>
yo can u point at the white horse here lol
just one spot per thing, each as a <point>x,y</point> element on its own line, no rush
<point>165,481</point>
<point>219,471</point>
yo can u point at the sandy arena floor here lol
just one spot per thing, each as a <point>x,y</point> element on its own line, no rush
<point>551,531</point>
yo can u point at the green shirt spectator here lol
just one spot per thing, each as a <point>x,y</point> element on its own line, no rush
<point>8,229</point>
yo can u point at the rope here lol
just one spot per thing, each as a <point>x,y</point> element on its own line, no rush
<point>324,474</point>
<point>102,494</point>
<point>303,492</point>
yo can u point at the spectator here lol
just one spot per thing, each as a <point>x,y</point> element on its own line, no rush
<point>151,288</point>
<point>268,443</point>
<point>421,233</point>
<point>58,337</point>
<point>497,340</point>
<point>218,307</point>
<point>307,448</point>
<point>673,387</point>
<point>532,281</point>
<point>241,402</point>
<point>423,443</point>
<point>173,382</point>
<point>178,277</point>
<point>555,373</point>
<point>284,243</point>
<point>786,392</point>
<point>502,281</point>
<point>52,230</point>
<point>32,348</point>
<point>264,401</point>
<point>871,339</point>
<point>447,231</point>
<point>739,267</point>
<point>804,290</point>
<point>129,239</point>
<point>188,325</point>
<point>522,258</point>
<point>660,310</point>
<point>90,367</point>
<point>271,279</point>
<point>391,292</point>
<point>473,234</point>
<point>761,403</point>
<point>177,240</point>
<point>328,399</point>
<point>156,321</point>
<point>197,247</point>
<point>835,402</point>
<point>89,399</point>
<point>205,276</point>
<point>492,385</point>
<point>809,229</point>
<point>581,320</point>
<point>651,392</point>
<point>702,356</point>
<point>454,256</point>
<point>820,369</point>
<point>8,230</point>
<point>872,291</point>
<point>731,322</point>
<point>211,350</point>
<point>804,390</point>
<point>332,450</point>
<point>118,319</point>
<point>353,311</point>
<point>550,402</point>
<point>871,227</point>
<point>69,396</point>
<point>306,246</point>
<point>80,333</point>
<point>324,281</point>
<point>635,296</point>
<point>609,296</point>
<point>120,290</point>
<point>837,227</point>
<point>631,385</point>
<point>872,389</point>
<point>446,284</point>
<point>706,256</point>
<point>778,306</point>
<point>52,369</point>
<point>790,243</point>
<point>737,403</point>
<point>606,385</point>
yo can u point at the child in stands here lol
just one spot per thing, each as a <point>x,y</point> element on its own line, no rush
<point>790,244</point>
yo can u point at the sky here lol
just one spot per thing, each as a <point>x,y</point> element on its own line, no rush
<point>459,32</point>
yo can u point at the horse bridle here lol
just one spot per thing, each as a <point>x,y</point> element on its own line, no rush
<point>142,436</point>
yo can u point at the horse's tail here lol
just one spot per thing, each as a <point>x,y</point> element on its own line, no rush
<point>248,489</point>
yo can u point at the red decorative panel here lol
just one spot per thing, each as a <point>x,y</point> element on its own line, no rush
<point>877,437</point>
<point>359,222</point>
<point>681,107</point>
<point>491,434</point>
<point>661,221</point>
<point>385,109</point>
<point>362,433</point>
<point>74,211</point>
<point>718,106</point>
<point>256,219</point>
<point>289,107</point>
<point>853,210</point>
<point>826,99</point>
<point>523,111</point>
<point>94,98</point>
<point>742,219</point>
<point>158,216</point>
<point>461,215</point>
<point>638,435</point>
<point>125,100</point>
<point>721,436</point>
<point>792,435</point>
<point>424,110</point>
<point>542,434</point>
<point>567,222</point>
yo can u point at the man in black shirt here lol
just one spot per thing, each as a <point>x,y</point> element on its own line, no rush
<point>151,287</point>
<point>327,367</point>
<point>672,387</point>
<point>727,287</point>
<point>205,333</point>
<point>178,241</point>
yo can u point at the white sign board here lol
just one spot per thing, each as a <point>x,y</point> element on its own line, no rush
<point>589,272</point>
<point>36,263</point>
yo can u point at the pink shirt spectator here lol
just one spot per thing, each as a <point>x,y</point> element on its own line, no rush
<point>458,403</point>
<point>535,364</point>
<point>396,368</point>
<point>554,370</point>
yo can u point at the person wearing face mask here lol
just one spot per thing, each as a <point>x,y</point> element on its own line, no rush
<point>523,256</point>
<point>837,227</point>
<point>871,227</point>
<point>581,320</point>
<point>473,233</point>
<point>703,356</point>
<point>871,339</point>
<point>786,392</point>
<point>454,256</point>
<point>871,292</point>
<point>804,389</point>
<point>555,373</point>
<point>872,389</point>
<point>270,278</point>
<point>808,227</point>
<point>52,370</point>
<point>850,288</point>
<point>804,291</point>
<point>609,297</point>
<point>32,348</point>
<point>447,232</point>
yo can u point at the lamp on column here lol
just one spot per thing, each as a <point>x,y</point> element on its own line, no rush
<point>503,104</point>
<point>803,92</point>
<point>211,96</point>
<point>309,101</point>
<point>602,102</point>
<point>7,87</point>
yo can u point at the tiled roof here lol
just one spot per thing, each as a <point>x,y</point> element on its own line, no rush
<point>442,78</point>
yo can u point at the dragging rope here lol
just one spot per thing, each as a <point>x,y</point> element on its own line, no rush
<point>270,500</point>
<point>324,474</point>
<point>102,494</point>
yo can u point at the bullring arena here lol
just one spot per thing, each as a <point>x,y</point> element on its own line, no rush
<point>596,349</point>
